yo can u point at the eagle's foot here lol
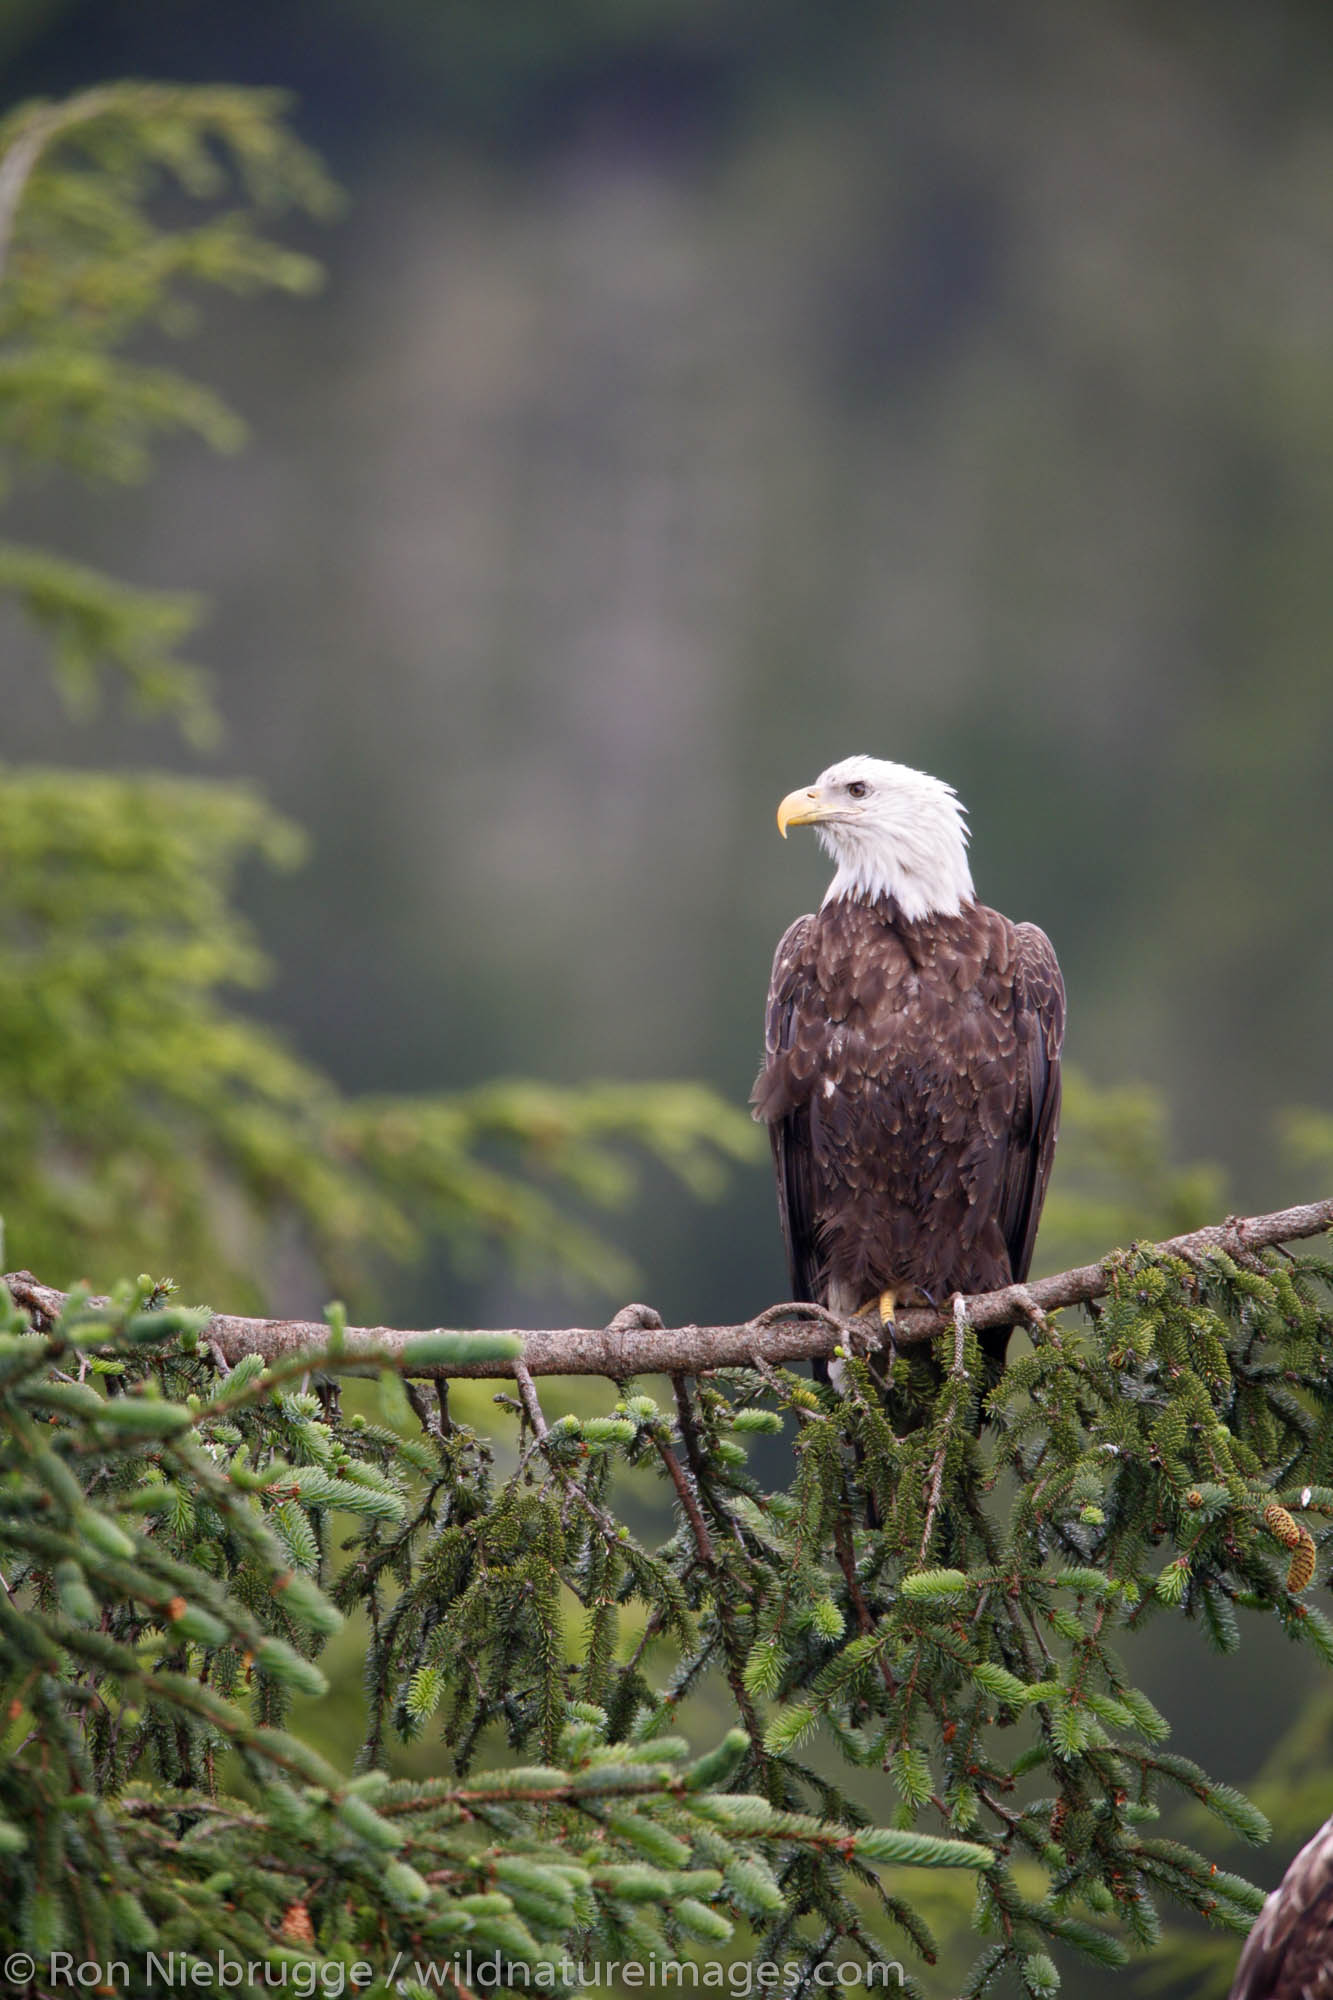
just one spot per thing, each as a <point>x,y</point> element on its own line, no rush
<point>888,1306</point>
<point>874,1324</point>
<point>862,1333</point>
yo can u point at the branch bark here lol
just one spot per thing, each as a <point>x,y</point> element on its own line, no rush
<point>636,1342</point>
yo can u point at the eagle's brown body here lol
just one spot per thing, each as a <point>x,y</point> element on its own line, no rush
<point>911,1088</point>
<point>1289,1955</point>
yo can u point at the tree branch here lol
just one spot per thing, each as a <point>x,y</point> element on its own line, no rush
<point>636,1343</point>
<point>935,1477</point>
<point>22,154</point>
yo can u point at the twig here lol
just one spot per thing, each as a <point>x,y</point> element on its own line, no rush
<point>632,1345</point>
<point>957,1373</point>
<point>1033,1314</point>
<point>601,1520</point>
<point>686,1495</point>
<point>23,152</point>
<point>796,1410</point>
<point>845,1550</point>
<point>532,1407</point>
<point>733,1650</point>
<point>424,1414</point>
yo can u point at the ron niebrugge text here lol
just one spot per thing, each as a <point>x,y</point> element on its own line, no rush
<point>308,1979</point>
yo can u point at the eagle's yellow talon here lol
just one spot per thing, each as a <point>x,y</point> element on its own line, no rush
<point>888,1303</point>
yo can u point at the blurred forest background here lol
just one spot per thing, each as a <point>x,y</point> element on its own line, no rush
<point>698,394</point>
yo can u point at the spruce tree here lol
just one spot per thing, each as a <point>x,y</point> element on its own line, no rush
<point>918,1610</point>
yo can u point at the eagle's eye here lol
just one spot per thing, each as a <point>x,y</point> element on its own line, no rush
<point>857,789</point>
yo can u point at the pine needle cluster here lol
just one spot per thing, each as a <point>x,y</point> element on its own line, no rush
<point>925,1612</point>
<point>175,1548</point>
<point>94,252</point>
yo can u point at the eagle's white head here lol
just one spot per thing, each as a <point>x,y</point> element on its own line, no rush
<point>892,831</point>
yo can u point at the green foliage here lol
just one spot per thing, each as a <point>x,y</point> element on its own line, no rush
<point>974,1655</point>
<point>89,259</point>
<point>922,1599</point>
<point>142,1114</point>
<point>153,1632</point>
<point>132,1095</point>
<point>1308,1139</point>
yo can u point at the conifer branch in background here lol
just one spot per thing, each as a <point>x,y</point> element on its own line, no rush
<point>140,1102</point>
<point>637,1343</point>
<point>87,263</point>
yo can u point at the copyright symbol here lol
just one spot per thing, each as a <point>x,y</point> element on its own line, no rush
<point>20,1966</point>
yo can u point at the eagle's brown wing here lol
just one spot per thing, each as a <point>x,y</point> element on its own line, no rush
<point>1039,1021</point>
<point>912,1129</point>
<point>1289,1953</point>
<point>789,1121</point>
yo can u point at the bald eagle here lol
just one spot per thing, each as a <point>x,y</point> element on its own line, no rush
<point>1289,1953</point>
<point>911,1080</point>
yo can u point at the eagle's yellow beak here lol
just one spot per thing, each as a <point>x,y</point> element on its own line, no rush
<point>802,809</point>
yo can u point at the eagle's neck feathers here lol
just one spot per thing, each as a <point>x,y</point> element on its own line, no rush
<point>912,850</point>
